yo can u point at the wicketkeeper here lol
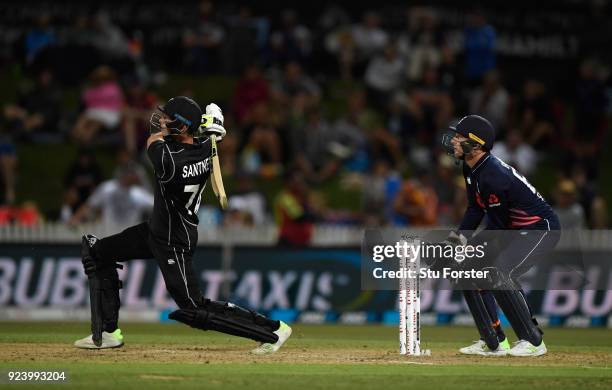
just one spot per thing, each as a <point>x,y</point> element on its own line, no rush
<point>181,160</point>
<point>517,215</point>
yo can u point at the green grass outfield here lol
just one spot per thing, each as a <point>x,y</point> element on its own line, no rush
<point>316,357</point>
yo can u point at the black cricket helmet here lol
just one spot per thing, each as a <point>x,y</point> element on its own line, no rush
<point>476,129</point>
<point>183,111</point>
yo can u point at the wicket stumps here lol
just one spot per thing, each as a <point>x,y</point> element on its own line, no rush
<point>410,302</point>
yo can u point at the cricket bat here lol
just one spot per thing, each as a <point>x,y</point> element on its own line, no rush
<point>217,179</point>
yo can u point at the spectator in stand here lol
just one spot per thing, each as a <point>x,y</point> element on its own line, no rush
<point>517,153</point>
<point>103,100</point>
<point>295,116</point>
<point>292,42</point>
<point>335,46</point>
<point>293,83</point>
<point>491,100</point>
<point>292,96</point>
<point>247,37</point>
<point>291,211</point>
<point>69,205</point>
<point>124,161</point>
<point>384,76</point>
<point>421,43</point>
<point>122,201</point>
<point>400,123</point>
<point>109,39</point>
<point>480,40</point>
<point>384,145</point>
<point>567,208</point>
<point>261,152</point>
<point>535,115</point>
<point>430,105</point>
<point>379,189</point>
<point>203,41</point>
<point>136,113</point>
<point>37,110</point>
<point>416,204</point>
<point>369,37</point>
<point>136,54</point>
<point>251,90</point>
<point>311,148</point>
<point>444,184</point>
<point>246,204</point>
<point>350,138</point>
<point>39,38</point>
<point>82,178</point>
<point>25,215</point>
<point>341,44</point>
<point>593,204</point>
<point>28,214</point>
<point>33,117</point>
<point>397,118</point>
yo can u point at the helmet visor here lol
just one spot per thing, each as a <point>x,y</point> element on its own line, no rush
<point>447,142</point>
<point>155,122</point>
<point>174,126</point>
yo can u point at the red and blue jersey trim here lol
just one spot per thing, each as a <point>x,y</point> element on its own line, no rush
<point>520,218</point>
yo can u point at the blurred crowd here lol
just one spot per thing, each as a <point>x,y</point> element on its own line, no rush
<point>333,101</point>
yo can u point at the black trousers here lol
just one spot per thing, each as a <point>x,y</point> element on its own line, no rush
<point>514,252</point>
<point>175,263</point>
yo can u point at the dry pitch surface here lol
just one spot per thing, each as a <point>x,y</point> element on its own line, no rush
<point>170,355</point>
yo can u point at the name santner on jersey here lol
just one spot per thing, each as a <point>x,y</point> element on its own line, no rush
<point>199,168</point>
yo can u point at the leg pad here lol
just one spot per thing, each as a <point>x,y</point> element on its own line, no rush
<point>481,318</point>
<point>228,318</point>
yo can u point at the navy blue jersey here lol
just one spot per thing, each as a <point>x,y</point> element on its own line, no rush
<point>506,197</point>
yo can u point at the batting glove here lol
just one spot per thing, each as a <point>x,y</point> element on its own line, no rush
<point>212,122</point>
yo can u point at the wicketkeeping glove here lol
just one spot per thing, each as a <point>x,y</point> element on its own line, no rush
<point>212,122</point>
<point>456,239</point>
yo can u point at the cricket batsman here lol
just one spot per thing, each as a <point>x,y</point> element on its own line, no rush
<point>515,211</point>
<point>182,164</point>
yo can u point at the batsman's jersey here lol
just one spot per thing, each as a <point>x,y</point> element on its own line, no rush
<point>182,171</point>
<point>509,201</point>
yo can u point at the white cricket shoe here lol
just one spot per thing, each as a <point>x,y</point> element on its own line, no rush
<point>283,332</point>
<point>109,340</point>
<point>525,348</point>
<point>480,348</point>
